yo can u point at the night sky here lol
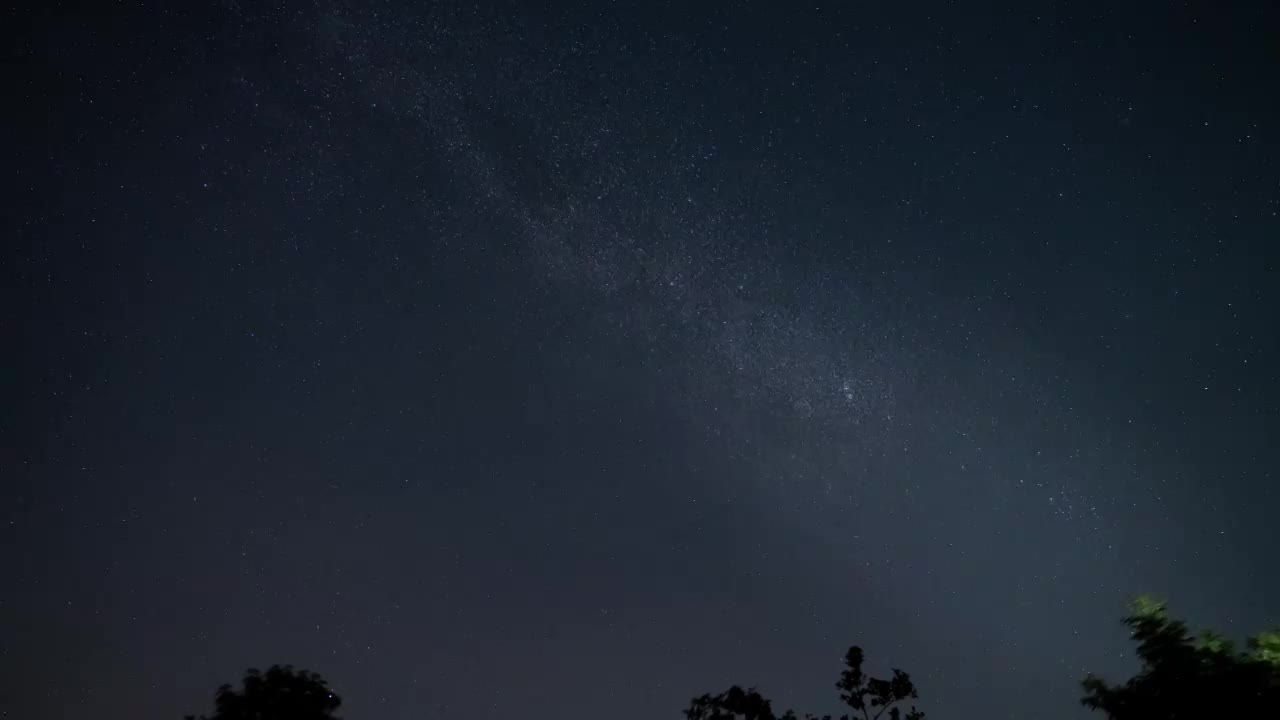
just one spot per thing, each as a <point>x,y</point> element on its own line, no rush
<point>514,359</point>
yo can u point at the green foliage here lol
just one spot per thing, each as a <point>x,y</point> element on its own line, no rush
<point>1182,677</point>
<point>872,697</point>
<point>281,693</point>
<point>1265,648</point>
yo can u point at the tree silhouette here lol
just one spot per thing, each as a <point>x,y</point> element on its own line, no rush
<point>1186,677</point>
<point>869,697</point>
<point>281,693</point>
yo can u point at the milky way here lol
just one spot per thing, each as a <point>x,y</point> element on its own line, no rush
<point>696,268</point>
<point>632,210</point>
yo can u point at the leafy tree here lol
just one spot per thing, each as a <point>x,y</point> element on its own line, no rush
<point>869,697</point>
<point>281,693</point>
<point>1186,677</point>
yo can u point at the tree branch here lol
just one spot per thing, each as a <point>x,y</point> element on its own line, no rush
<point>883,708</point>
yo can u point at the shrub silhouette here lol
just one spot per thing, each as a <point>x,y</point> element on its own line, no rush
<point>869,697</point>
<point>281,693</point>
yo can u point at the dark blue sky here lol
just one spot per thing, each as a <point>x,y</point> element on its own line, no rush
<point>552,360</point>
